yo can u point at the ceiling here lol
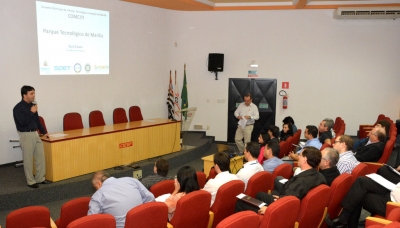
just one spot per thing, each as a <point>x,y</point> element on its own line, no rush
<point>214,5</point>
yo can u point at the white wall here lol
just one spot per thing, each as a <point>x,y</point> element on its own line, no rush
<point>335,68</point>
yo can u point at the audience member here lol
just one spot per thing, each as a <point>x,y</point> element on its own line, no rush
<point>327,167</point>
<point>373,149</point>
<point>347,162</point>
<point>368,194</point>
<point>325,133</point>
<point>271,161</point>
<point>273,132</point>
<point>263,139</point>
<point>287,131</point>
<point>249,112</point>
<point>116,196</point>
<point>160,169</point>
<point>252,166</point>
<point>289,120</point>
<point>380,124</point>
<point>221,165</point>
<point>185,182</point>
<point>310,134</point>
<point>297,186</point>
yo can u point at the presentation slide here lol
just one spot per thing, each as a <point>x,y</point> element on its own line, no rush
<point>72,40</point>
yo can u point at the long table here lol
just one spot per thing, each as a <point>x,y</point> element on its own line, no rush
<point>77,152</point>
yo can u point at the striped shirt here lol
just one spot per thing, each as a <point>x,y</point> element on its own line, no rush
<point>347,162</point>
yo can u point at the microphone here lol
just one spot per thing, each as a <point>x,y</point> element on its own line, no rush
<point>34,103</point>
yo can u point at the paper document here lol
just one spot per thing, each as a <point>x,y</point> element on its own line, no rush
<point>58,135</point>
<point>242,122</point>
<point>283,181</point>
<point>162,198</point>
<point>382,181</point>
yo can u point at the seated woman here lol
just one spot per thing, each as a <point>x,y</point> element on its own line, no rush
<point>185,182</point>
<point>289,120</point>
<point>287,131</point>
<point>263,139</point>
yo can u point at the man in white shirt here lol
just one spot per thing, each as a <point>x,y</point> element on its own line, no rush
<point>252,166</point>
<point>221,166</point>
<point>347,162</point>
<point>246,111</point>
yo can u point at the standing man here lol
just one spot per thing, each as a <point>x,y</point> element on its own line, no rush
<point>246,111</point>
<point>116,196</point>
<point>26,120</point>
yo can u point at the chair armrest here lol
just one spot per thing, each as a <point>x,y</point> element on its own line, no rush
<point>376,221</point>
<point>169,225</point>
<point>52,224</point>
<point>211,219</point>
<point>373,166</point>
<point>296,225</point>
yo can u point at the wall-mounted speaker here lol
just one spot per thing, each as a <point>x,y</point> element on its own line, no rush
<point>215,62</point>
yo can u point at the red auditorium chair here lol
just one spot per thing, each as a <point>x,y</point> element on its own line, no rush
<point>247,219</point>
<point>392,216</point>
<point>225,200</point>
<point>212,173</point>
<point>162,187</point>
<point>96,119</point>
<point>72,210</point>
<point>119,116</point>
<point>284,149</point>
<point>360,170</point>
<point>282,213</point>
<point>365,128</point>
<point>325,145</point>
<point>96,220</point>
<point>339,187</point>
<point>43,124</point>
<point>27,217</point>
<point>201,179</point>
<point>296,137</point>
<point>285,170</point>
<point>313,207</point>
<point>135,114</point>
<point>258,183</point>
<point>72,121</point>
<point>192,210</point>
<point>152,214</point>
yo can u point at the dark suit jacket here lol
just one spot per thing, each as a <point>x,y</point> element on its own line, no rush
<point>369,153</point>
<point>330,174</point>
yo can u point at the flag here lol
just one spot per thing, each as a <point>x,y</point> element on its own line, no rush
<point>184,94</point>
<point>176,100</point>
<point>170,99</point>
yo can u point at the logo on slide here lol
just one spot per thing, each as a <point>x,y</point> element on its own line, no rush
<point>88,67</point>
<point>45,63</point>
<point>77,68</point>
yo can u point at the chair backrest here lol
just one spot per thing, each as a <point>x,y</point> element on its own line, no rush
<point>258,183</point>
<point>119,116</point>
<point>247,219</point>
<point>341,130</point>
<point>198,202</point>
<point>43,124</point>
<point>96,220</point>
<point>387,151</point>
<point>135,114</point>
<point>27,217</point>
<point>162,187</point>
<point>212,173</point>
<point>72,121</point>
<point>290,142</point>
<point>285,170</point>
<point>72,210</point>
<point>225,200</point>
<point>312,207</point>
<point>339,187</point>
<point>152,214</point>
<point>281,213</point>
<point>283,149</point>
<point>360,170</point>
<point>336,124</point>
<point>324,145</point>
<point>394,215</point>
<point>96,119</point>
<point>201,179</point>
<point>296,137</point>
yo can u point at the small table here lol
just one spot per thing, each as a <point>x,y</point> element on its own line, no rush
<point>235,164</point>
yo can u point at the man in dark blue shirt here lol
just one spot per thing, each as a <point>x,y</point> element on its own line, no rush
<point>26,120</point>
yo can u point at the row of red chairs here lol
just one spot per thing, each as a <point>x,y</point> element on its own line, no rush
<point>364,129</point>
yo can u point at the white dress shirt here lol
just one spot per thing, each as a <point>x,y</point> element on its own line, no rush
<point>248,170</point>
<point>251,110</point>
<point>213,185</point>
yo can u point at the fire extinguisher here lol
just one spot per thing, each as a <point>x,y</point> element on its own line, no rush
<point>285,98</point>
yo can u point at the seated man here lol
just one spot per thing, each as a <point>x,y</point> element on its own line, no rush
<point>160,173</point>
<point>325,131</point>
<point>347,162</point>
<point>327,167</point>
<point>221,166</point>
<point>273,132</point>
<point>368,194</point>
<point>310,134</point>
<point>381,124</point>
<point>117,196</point>
<point>297,186</point>
<point>271,161</point>
<point>373,149</point>
<point>252,166</point>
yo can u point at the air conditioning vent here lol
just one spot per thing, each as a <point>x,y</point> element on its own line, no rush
<point>367,13</point>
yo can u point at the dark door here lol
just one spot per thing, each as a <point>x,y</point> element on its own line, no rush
<point>263,92</point>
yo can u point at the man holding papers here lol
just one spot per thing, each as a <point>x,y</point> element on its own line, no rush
<point>371,193</point>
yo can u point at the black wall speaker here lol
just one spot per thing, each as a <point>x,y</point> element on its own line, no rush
<point>215,62</point>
